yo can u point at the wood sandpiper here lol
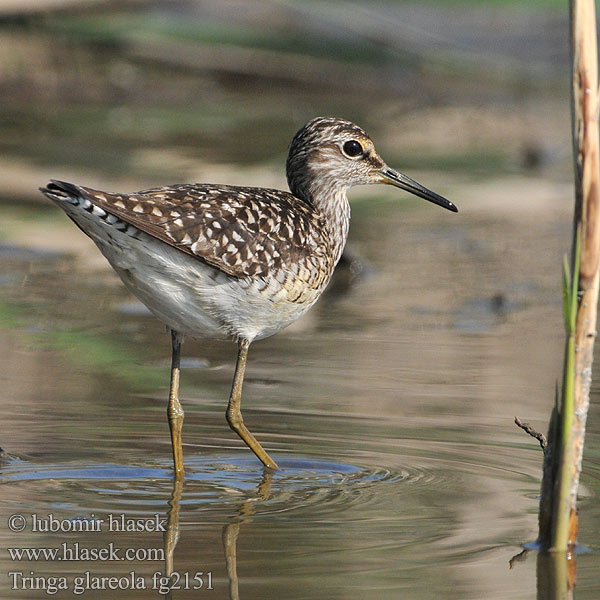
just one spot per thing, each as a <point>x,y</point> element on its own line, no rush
<point>228,262</point>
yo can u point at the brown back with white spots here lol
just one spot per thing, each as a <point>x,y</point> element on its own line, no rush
<point>239,230</point>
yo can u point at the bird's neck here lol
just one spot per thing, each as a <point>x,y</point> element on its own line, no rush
<point>332,203</point>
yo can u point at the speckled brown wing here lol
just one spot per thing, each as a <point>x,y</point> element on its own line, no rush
<point>241,231</point>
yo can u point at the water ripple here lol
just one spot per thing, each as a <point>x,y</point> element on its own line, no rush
<point>303,484</point>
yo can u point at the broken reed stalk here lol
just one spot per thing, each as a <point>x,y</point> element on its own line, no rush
<point>562,461</point>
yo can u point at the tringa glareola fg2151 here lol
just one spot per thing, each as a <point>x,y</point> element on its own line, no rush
<point>229,262</point>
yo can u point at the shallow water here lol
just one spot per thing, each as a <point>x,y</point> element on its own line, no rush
<point>390,405</point>
<point>389,409</point>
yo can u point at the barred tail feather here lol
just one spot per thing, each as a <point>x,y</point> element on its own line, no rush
<point>60,191</point>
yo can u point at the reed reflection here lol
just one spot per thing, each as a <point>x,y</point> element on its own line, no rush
<point>556,573</point>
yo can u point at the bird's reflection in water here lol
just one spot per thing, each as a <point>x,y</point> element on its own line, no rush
<point>172,533</point>
<point>230,531</point>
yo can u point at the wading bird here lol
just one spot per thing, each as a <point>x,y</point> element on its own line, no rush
<point>229,262</point>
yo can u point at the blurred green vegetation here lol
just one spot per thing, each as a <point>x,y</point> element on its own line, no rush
<point>529,4</point>
<point>144,91</point>
<point>122,28</point>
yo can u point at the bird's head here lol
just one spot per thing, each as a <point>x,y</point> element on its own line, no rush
<point>329,154</point>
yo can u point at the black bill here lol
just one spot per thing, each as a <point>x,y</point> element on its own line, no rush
<point>410,185</point>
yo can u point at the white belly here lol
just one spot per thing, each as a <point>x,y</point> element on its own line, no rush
<point>188,295</point>
<point>194,298</point>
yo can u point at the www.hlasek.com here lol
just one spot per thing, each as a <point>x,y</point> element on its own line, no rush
<point>79,584</point>
<point>74,551</point>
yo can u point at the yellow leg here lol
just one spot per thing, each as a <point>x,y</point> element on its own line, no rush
<point>234,412</point>
<point>174,410</point>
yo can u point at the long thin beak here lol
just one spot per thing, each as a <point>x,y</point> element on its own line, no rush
<point>410,185</point>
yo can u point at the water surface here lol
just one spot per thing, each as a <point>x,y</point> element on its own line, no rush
<point>389,408</point>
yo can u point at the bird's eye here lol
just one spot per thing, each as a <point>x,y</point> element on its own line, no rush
<point>352,149</point>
